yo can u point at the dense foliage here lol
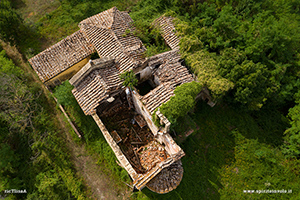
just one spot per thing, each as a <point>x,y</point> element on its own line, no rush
<point>10,23</point>
<point>183,101</point>
<point>246,52</point>
<point>292,145</point>
<point>129,79</point>
<point>33,154</point>
<point>63,94</point>
<point>249,50</point>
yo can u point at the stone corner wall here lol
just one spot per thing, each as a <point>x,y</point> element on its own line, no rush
<point>141,109</point>
<point>163,121</point>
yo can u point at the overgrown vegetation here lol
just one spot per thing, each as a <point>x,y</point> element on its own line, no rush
<point>33,153</point>
<point>291,146</point>
<point>180,104</point>
<point>10,23</point>
<point>245,52</point>
<point>248,50</point>
<point>129,79</point>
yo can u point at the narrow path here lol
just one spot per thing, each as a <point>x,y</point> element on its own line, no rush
<point>101,185</point>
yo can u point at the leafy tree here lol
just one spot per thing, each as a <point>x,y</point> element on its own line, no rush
<point>205,66</point>
<point>271,39</point>
<point>10,23</point>
<point>129,79</point>
<point>225,27</point>
<point>291,147</point>
<point>7,66</point>
<point>183,101</point>
<point>252,83</point>
<point>64,94</point>
<point>16,103</point>
<point>8,168</point>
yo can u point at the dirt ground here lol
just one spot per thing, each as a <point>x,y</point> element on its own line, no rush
<point>100,185</point>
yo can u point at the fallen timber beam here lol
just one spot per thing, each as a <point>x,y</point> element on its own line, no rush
<point>69,120</point>
<point>139,143</point>
<point>136,134</point>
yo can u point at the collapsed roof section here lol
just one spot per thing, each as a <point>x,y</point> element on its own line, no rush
<point>143,153</point>
<point>152,160</point>
<point>111,33</point>
<point>168,75</point>
<point>168,31</point>
<point>95,82</point>
<point>61,56</point>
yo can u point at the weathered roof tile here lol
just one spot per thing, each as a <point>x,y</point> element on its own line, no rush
<point>95,82</point>
<point>114,37</point>
<point>61,56</point>
<point>170,74</point>
<point>168,31</point>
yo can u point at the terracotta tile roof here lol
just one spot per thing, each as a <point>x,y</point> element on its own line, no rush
<point>169,74</point>
<point>102,20</point>
<point>106,31</point>
<point>174,73</point>
<point>161,94</point>
<point>111,33</point>
<point>168,31</point>
<point>61,56</point>
<point>132,45</point>
<point>127,16</point>
<point>94,83</point>
<point>172,56</point>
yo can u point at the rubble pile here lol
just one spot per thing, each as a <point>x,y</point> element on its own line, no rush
<point>128,134</point>
<point>151,154</point>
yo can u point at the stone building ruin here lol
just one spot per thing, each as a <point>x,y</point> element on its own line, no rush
<point>147,152</point>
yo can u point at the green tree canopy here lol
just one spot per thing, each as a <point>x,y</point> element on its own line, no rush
<point>10,23</point>
<point>291,147</point>
<point>183,101</point>
<point>247,49</point>
<point>63,93</point>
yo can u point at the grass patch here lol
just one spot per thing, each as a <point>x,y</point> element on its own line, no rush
<point>212,148</point>
<point>184,128</point>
